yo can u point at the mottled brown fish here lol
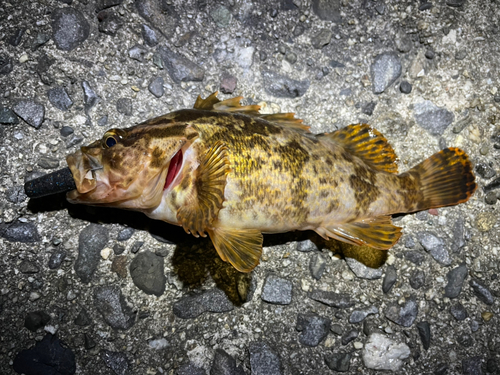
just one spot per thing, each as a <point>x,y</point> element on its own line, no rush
<point>226,170</point>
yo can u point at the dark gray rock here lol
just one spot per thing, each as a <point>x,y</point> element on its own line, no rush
<point>460,55</point>
<point>313,328</point>
<point>405,87</point>
<point>147,273</point>
<point>59,98</point>
<point>191,306</point>
<point>28,267</point>
<point>83,318</point>
<point>277,290</point>
<point>109,22</point>
<point>298,30</point>
<point>264,360</point>
<point>321,39</point>
<point>5,65</point>
<point>110,302</point>
<point>337,329</point>
<point>455,3</point>
<point>456,279</point>
<point>386,68</point>
<point>436,246</point>
<point>484,170</point>
<point>472,365</point>
<point>69,28</point>
<point>20,232</point>
<point>390,278</point>
<point>45,357</point>
<point>16,37</point>
<point>495,184</point>
<point>125,234</point>
<point>73,140</point>
<point>228,83</point>
<point>362,271</point>
<point>36,320</point>
<point>415,257</point>
<point>357,316</point>
<point>349,336</point>
<point>458,235</point>
<point>223,364</point>
<point>458,311</point>
<point>137,52</point>
<point>156,87</point>
<point>490,198</point>
<point>66,131</point>
<point>136,246</point>
<point>424,330</point>
<point>190,369</point>
<point>56,258</point>
<point>89,343</point>
<point>338,362</point>
<point>40,40</point>
<point>283,86</point>
<point>90,98</point>
<point>116,361</point>
<point>429,54</point>
<point>16,194</point>
<point>118,249</point>
<point>338,300</point>
<point>403,315</point>
<point>91,241</point>
<point>465,340</point>
<point>8,117</point>
<point>368,108</point>
<point>328,10</point>
<point>417,279</point>
<point>46,162</point>
<point>180,68</point>
<point>103,121</point>
<point>124,106</point>
<point>306,246</point>
<point>160,14</point>
<point>317,266</point>
<point>432,118</point>
<point>149,35</point>
<point>482,291</point>
<point>31,112</point>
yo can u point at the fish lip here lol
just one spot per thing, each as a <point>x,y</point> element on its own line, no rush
<point>83,168</point>
<point>174,167</point>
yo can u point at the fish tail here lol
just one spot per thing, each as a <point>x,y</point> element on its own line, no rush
<point>446,179</point>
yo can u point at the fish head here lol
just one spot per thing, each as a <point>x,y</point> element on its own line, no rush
<point>129,168</point>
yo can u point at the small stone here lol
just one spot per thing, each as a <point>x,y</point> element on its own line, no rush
<point>69,28</point>
<point>456,279</point>
<point>66,131</point>
<point>403,43</point>
<point>491,198</point>
<point>386,68</point>
<point>191,306</point>
<point>57,258</point>
<point>149,35</point>
<point>435,246</point>
<point>103,121</point>
<point>180,68</point>
<point>338,362</point>
<point>104,4</point>
<point>83,318</point>
<point>105,253</point>
<point>16,194</point>
<point>31,112</point>
<point>228,83</point>
<point>349,336</point>
<point>460,55</point>
<point>424,330</point>
<point>492,366</point>
<point>158,344</point>
<point>485,221</point>
<point>495,184</point>
<point>264,360</point>
<point>5,65</point>
<point>458,311</point>
<point>313,328</point>
<point>458,235</point>
<point>298,30</point>
<point>116,361</point>
<point>147,273</point>
<point>327,10</point>
<point>8,117</point>
<point>283,86</point>
<point>481,291</point>
<point>109,22</point>
<point>90,98</point>
<point>137,52</point>
<point>16,37</point>
<point>429,54</point>
<point>336,328</point>
<point>485,171</point>
<point>73,140</point>
<point>136,247</point>
<point>124,106</point>
<point>368,108</point>
<point>306,246</point>
<point>162,252</point>
<point>471,366</point>
<point>317,266</point>
<point>46,162</point>
<point>223,363</point>
<point>432,118</point>
<point>389,279</point>
<point>20,232</point>
<point>277,290</point>
<point>321,39</point>
<point>415,257</point>
<point>487,315</point>
<point>59,98</point>
<point>36,320</point>
<point>405,87</point>
<point>110,302</point>
<point>156,87</point>
<point>338,300</point>
<point>221,16</point>
<point>119,265</point>
<point>403,315</point>
<point>383,353</point>
<point>357,316</point>
<point>91,241</point>
<point>362,271</point>
<point>125,234</point>
<point>417,279</point>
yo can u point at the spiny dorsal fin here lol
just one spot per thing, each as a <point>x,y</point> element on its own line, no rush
<point>207,191</point>
<point>240,247</point>
<point>368,144</point>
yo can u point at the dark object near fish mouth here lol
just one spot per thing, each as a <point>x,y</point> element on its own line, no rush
<point>52,183</point>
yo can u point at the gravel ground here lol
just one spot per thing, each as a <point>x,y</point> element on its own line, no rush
<point>101,291</point>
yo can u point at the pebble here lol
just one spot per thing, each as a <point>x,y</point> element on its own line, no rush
<point>91,241</point>
<point>46,162</point>
<point>435,246</point>
<point>403,315</point>
<point>298,30</point>
<point>481,291</point>
<point>228,83</point>
<point>161,17</point>
<point>263,359</point>
<point>36,320</point>
<point>59,98</point>
<point>495,184</point>
<point>223,363</point>
<point>158,344</point>
<point>485,221</point>
<point>405,87</point>
<point>485,171</point>
<point>415,257</point>
<point>116,361</point>
<point>73,140</point>
<point>362,271</point>
<point>317,266</point>
<point>338,362</point>
<point>458,235</point>
<point>180,68</point>
<point>110,302</point>
<point>277,290</point>
<point>83,318</point>
<point>125,234</point>
<point>66,131</point>
<point>149,35</point>
<point>90,98</point>
<point>321,39</point>
<point>313,328</point>
<point>34,296</point>
<point>282,86</point>
<point>28,267</point>
<point>105,253</point>
<point>16,37</point>
<point>103,121</point>
<point>386,68</point>
<point>20,232</point>
<point>458,311</point>
<point>327,10</point>
<point>417,279</point>
<point>147,273</point>
<point>51,352</point>
<point>124,106</point>
<point>390,278</point>
<point>134,249</point>
<point>191,306</point>
<point>424,331</point>
<point>338,300</point>
<point>8,117</point>
<point>109,22</point>
<point>306,246</point>
<point>382,353</point>
<point>156,87</point>
<point>69,28</point>
<point>31,112</point>
<point>349,336</point>
<point>336,328</point>
<point>221,16</point>
<point>16,194</point>
<point>5,65</point>
<point>119,265</point>
<point>403,43</point>
<point>137,52</point>
<point>462,124</point>
<point>357,316</point>
<point>430,54</point>
<point>456,279</point>
<point>432,118</point>
<point>472,365</point>
<point>368,108</point>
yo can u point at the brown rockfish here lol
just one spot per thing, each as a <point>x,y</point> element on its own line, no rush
<point>226,170</point>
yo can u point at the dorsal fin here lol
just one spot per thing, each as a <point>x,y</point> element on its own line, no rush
<point>211,103</point>
<point>368,144</point>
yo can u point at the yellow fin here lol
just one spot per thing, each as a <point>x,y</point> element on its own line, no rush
<point>207,103</point>
<point>287,119</point>
<point>240,247</point>
<point>368,144</point>
<point>207,191</point>
<point>377,232</point>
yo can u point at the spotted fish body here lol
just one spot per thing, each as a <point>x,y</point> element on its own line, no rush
<point>224,169</point>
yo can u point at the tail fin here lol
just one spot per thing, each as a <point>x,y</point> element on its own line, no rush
<point>446,179</point>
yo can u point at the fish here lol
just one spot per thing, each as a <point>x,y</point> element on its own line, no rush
<point>225,170</point>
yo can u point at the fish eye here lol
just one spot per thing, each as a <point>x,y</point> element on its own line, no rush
<point>110,141</point>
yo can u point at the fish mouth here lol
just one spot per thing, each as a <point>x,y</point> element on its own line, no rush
<point>84,168</point>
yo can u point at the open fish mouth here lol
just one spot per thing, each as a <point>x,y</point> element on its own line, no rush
<point>84,168</point>
<point>174,168</point>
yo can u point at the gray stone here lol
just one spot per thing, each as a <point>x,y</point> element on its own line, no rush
<point>56,258</point>
<point>180,68</point>
<point>16,37</point>
<point>31,112</point>
<point>223,364</point>
<point>149,35</point>
<point>417,279</point>
<point>73,140</point>
<point>327,10</point>
<point>125,234</point>
<point>368,108</point>
<point>90,98</point>
<point>484,170</point>
<point>386,68</point>
<point>36,320</point>
<point>458,235</point>
<point>432,118</point>
<point>83,318</point>
<point>5,65</point>
<point>482,291</point>
<point>116,361</point>
<point>160,14</point>
<point>390,278</point>
<point>59,98</point>
<point>403,43</point>
<point>147,273</point>
<point>306,246</point>
<point>137,52</point>
<point>405,87</point>
<point>403,315</point>
<point>338,362</point>
<point>124,106</point>
<point>16,194</point>
<point>313,328</point>
<point>491,198</point>
<point>458,311</point>
<point>110,302</point>
<point>338,300</point>
<point>221,16</point>
<point>383,353</point>
<point>20,232</point>
<point>91,241</point>
<point>277,290</point>
<point>472,365</point>
<point>8,117</point>
<point>362,271</point>
<point>66,131</point>
<point>415,257</point>
<point>156,87</point>
<point>264,360</point>
<point>357,316</point>
<point>28,267</point>
<point>435,246</point>
<point>46,162</point>
<point>191,306</point>
<point>134,249</point>
<point>424,330</point>
<point>228,83</point>
<point>317,266</point>
<point>349,336</point>
<point>283,86</point>
<point>109,22</point>
<point>190,369</point>
<point>103,121</point>
<point>321,39</point>
<point>69,28</point>
<point>456,279</point>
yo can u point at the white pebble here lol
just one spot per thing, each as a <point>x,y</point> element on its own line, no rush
<point>106,252</point>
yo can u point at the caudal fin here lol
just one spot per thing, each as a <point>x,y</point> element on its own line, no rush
<point>446,179</point>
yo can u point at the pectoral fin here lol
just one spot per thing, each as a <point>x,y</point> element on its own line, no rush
<point>377,232</point>
<point>240,247</point>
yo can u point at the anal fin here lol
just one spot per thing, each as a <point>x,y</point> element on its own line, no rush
<point>240,247</point>
<point>377,232</point>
